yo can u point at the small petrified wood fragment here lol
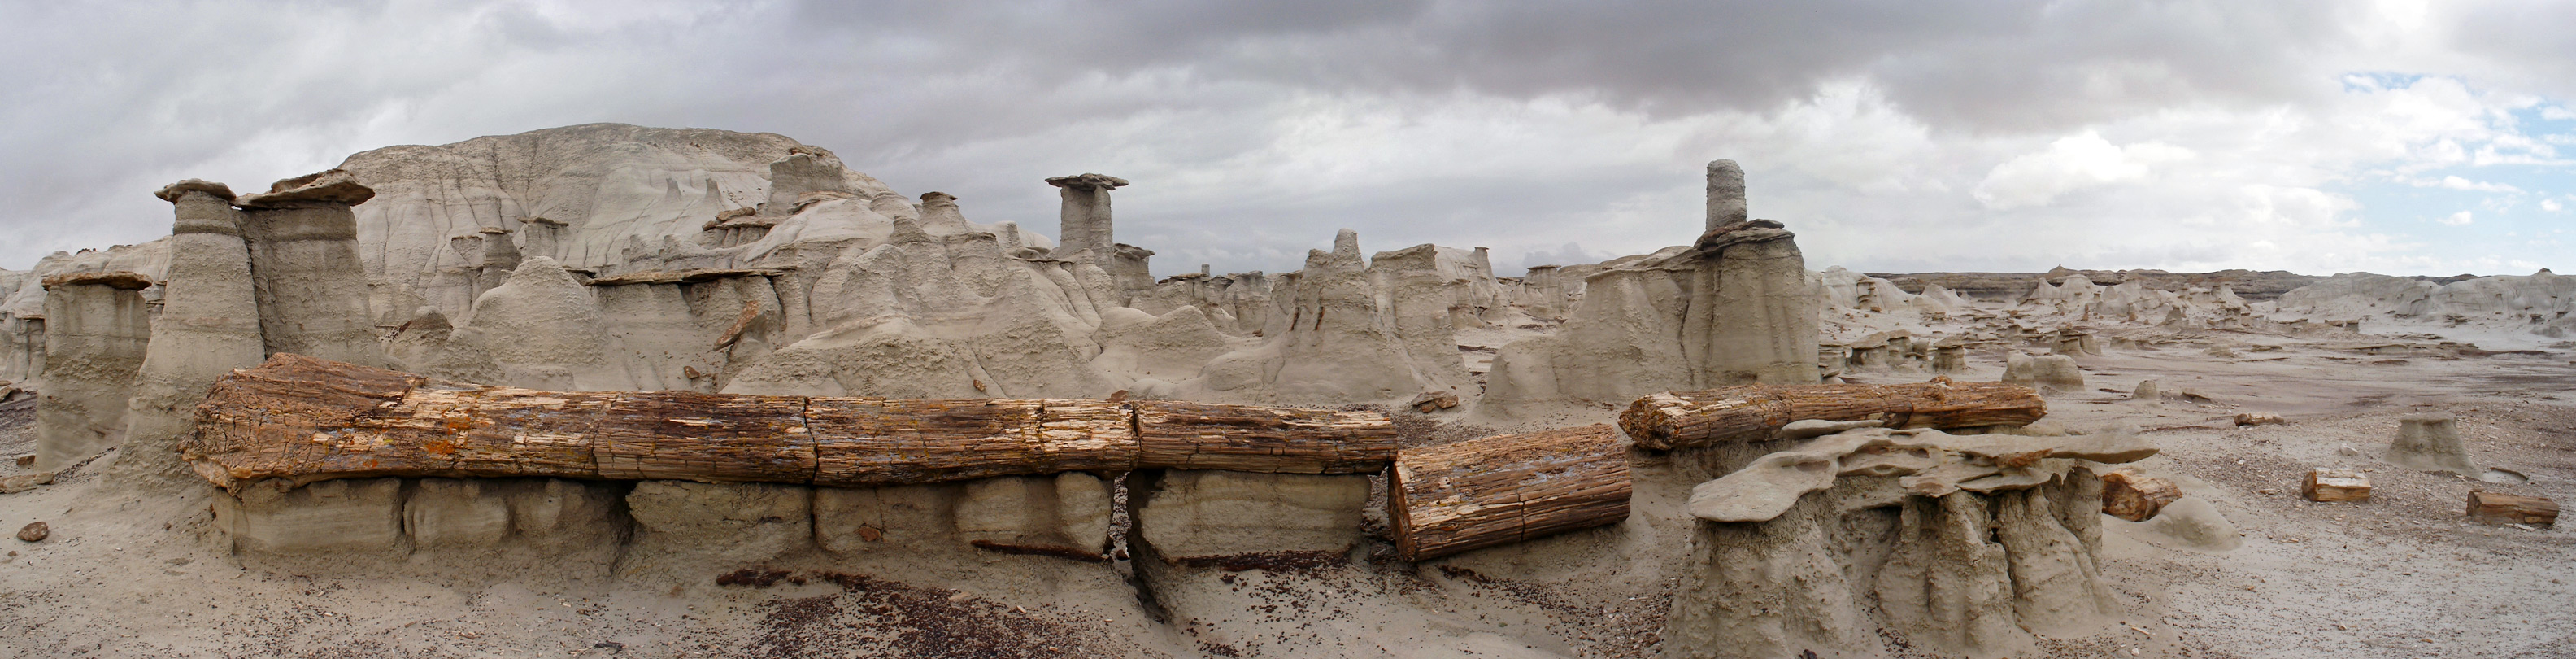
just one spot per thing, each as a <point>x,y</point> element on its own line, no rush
<point>2498,508</point>
<point>2135,497</point>
<point>1682,419</point>
<point>2336,485</point>
<point>1505,489</point>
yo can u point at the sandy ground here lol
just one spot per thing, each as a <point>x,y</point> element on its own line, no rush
<point>2402,575</point>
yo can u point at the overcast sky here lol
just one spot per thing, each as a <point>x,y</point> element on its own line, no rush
<point>1892,135</point>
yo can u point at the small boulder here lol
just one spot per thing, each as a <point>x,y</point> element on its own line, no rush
<point>1432,401</point>
<point>2046,373</point>
<point>25,482</point>
<point>34,531</point>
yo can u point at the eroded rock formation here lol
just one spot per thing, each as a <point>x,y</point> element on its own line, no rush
<point>1966,545</point>
<point>1733,308</point>
<point>96,332</point>
<point>631,279</point>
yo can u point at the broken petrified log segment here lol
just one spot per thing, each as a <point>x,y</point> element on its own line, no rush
<point>1434,401</point>
<point>2336,485</point>
<point>25,482</point>
<point>1683,419</point>
<point>2258,419</point>
<point>874,441</point>
<point>2495,508</point>
<point>1505,489</point>
<point>685,435</point>
<point>2135,497</point>
<point>306,419</point>
<point>1176,435</point>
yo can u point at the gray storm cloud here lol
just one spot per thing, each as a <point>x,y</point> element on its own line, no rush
<point>1254,130</point>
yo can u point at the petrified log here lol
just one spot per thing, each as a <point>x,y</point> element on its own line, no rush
<point>685,435</point>
<point>306,419</point>
<point>1682,419</point>
<point>875,441</point>
<point>2495,508</point>
<point>1176,435</point>
<point>1505,489</point>
<point>2325,484</point>
<point>2135,497</point>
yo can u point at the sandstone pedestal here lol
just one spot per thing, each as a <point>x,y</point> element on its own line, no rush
<point>2431,443</point>
<point>97,327</point>
<point>1194,514</point>
<point>1085,214</point>
<point>311,286</point>
<point>1062,515</point>
<point>361,516</point>
<point>209,325</point>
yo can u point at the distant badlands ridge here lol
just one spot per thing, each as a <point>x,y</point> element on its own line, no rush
<point>2249,284</point>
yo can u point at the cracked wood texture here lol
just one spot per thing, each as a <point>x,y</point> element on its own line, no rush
<point>1506,489</point>
<point>2501,508</point>
<point>305,419</point>
<point>2134,497</point>
<point>1684,419</point>
<point>686,435</point>
<point>1177,435</point>
<point>876,441</point>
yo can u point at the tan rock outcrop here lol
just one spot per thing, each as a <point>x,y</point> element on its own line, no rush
<point>1735,307</point>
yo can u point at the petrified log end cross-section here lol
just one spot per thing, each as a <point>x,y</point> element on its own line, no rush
<point>1506,489</point>
<point>306,419</point>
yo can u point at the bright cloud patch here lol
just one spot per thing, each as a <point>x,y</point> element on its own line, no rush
<point>2070,164</point>
<point>2457,183</point>
<point>2456,219</point>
